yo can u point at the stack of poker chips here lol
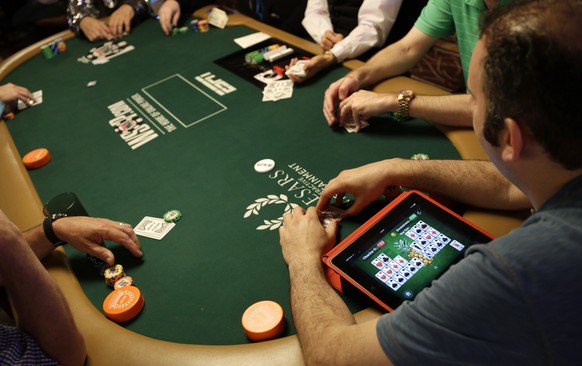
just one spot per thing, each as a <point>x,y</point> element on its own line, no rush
<point>113,274</point>
<point>257,57</point>
<point>179,30</point>
<point>52,49</point>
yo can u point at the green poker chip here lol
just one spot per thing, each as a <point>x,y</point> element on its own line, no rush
<point>419,156</point>
<point>172,216</point>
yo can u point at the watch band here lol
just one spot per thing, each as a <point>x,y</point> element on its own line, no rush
<point>47,226</point>
<point>404,99</point>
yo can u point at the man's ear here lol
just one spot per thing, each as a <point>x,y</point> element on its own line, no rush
<point>511,140</point>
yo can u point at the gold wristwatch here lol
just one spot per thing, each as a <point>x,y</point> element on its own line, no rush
<point>404,99</point>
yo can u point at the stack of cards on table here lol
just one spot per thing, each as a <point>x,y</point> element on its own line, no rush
<point>37,96</point>
<point>298,69</point>
<point>351,126</point>
<point>153,227</point>
<point>276,90</point>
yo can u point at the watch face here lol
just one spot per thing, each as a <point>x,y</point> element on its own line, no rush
<point>407,93</point>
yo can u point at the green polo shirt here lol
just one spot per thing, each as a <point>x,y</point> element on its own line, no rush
<point>442,18</point>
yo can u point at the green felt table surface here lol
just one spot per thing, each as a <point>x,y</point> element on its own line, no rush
<point>221,256</point>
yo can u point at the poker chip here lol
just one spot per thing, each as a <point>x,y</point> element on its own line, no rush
<point>263,320</point>
<point>113,273</point>
<point>419,156</point>
<point>123,304</point>
<point>36,158</point>
<point>122,282</point>
<point>172,216</point>
<point>264,166</point>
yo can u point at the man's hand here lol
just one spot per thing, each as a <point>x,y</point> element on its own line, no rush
<point>94,29</point>
<point>87,234</point>
<point>315,65</point>
<point>120,21</point>
<point>336,93</point>
<point>303,239</point>
<point>366,184</point>
<point>169,15</point>
<point>329,39</point>
<point>11,92</point>
<point>364,104</point>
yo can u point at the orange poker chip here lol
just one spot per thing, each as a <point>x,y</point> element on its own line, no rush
<point>36,158</point>
<point>123,304</point>
<point>263,320</point>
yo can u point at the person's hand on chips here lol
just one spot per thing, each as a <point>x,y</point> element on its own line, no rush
<point>169,14</point>
<point>120,21</point>
<point>366,184</point>
<point>303,238</point>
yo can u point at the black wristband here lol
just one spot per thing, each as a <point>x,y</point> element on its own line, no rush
<point>47,225</point>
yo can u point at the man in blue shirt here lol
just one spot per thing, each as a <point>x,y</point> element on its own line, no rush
<point>514,301</point>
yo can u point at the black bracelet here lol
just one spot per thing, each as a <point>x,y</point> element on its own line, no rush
<point>47,225</point>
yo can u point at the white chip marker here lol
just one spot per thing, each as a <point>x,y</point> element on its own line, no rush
<point>264,166</point>
<point>91,83</point>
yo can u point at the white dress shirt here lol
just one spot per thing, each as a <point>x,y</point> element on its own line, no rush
<point>375,20</point>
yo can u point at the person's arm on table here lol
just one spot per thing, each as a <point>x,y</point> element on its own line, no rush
<point>475,183</point>
<point>326,328</point>
<point>86,234</point>
<point>393,60</point>
<point>39,307</point>
<point>375,20</point>
<point>449,110</point>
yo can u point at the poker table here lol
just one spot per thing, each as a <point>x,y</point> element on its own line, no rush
<point>202,128</point>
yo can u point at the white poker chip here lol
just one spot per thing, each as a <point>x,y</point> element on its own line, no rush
<point>264,166</point>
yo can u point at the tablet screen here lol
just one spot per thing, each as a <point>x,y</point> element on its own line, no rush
<point>403,248</point>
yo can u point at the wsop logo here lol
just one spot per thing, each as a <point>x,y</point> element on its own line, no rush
<point>130,127</point>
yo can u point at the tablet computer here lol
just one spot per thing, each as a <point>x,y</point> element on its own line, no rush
<point>402,249</point>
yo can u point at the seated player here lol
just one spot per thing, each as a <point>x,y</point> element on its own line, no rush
<point>344,101</point>
<point>84,17</point>
<point>344,31</point>
<point>512,301</point>
<point>171,10</point>
<point>45,332</point>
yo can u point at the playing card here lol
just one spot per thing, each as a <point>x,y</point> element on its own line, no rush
<point>153,227</point>
<point>37,95</point>
<point>267,76</point>
<point>276,90</point>
<point>298,69</point>
<point>351,126</point>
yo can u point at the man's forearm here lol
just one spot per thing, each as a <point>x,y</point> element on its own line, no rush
<point>448,110</point>
<point>316,309</point>
<point>476,183</point>
<point>40,308</point>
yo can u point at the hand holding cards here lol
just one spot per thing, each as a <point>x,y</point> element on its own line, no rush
<point>298,69</point>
